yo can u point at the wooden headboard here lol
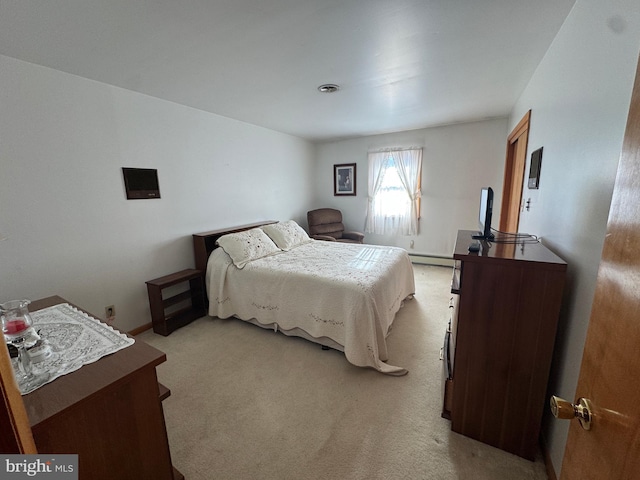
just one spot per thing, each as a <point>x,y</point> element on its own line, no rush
<point>204,243</point>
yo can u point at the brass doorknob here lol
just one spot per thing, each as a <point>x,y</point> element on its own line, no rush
<point>562,409</point>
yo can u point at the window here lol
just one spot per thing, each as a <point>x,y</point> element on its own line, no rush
<point>394,192</point>
<point>392,198</point>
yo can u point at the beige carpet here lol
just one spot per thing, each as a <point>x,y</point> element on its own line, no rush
<point>248,403</point>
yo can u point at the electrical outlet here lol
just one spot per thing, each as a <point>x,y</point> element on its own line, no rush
<point>411,244</point>
<point>110,311</point>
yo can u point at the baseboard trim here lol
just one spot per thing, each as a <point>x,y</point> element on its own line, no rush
<point>436,260</point>
<point>140,329</point>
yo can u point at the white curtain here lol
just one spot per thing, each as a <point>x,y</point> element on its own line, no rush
<point>394,190</point>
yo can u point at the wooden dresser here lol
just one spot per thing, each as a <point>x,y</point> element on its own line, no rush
<point>505,308</point>
<point>108,412</point>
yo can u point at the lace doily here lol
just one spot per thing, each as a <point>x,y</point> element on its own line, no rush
<point>75,338</point>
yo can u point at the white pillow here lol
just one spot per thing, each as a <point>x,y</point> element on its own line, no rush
<point>246,246</point>
<point>287,235</point>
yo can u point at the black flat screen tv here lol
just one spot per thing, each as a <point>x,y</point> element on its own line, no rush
<point>485,213</point>
<point>141,183</point>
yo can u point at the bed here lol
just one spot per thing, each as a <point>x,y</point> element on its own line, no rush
<point>343,296</point>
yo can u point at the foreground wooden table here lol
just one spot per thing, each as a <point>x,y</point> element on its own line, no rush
<point>108,412</point>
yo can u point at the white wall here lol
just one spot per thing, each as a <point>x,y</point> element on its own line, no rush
<point>579,97</point>
<point>458,160</point>
<point>71,230</point>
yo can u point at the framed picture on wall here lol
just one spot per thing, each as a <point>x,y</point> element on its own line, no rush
<point>344,179</point>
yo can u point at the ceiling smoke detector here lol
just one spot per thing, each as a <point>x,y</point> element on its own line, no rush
<point>328,88</point>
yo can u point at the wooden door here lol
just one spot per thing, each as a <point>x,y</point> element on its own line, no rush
<point>514,175</point>
<point>610,371</point>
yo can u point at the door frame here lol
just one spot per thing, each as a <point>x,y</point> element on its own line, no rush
<point>512,198</point>
<point>13,416</point>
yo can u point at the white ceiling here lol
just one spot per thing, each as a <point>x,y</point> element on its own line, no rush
<point>401,64</point>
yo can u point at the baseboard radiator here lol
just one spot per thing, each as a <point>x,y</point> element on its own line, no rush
<point>421,259</point>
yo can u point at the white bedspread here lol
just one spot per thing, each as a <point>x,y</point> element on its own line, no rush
<point>349,293</point>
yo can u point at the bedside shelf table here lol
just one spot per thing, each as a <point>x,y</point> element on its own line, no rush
<point>165,319</point>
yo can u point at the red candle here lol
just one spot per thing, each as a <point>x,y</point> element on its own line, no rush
<point>13,327</point>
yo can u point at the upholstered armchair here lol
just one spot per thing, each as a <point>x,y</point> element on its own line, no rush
<point>326,224</point>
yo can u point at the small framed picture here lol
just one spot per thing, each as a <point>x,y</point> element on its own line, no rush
<point>344,179</point>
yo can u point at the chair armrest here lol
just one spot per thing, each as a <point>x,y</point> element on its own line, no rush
<point>354,236</point>
<point>323,237</point>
